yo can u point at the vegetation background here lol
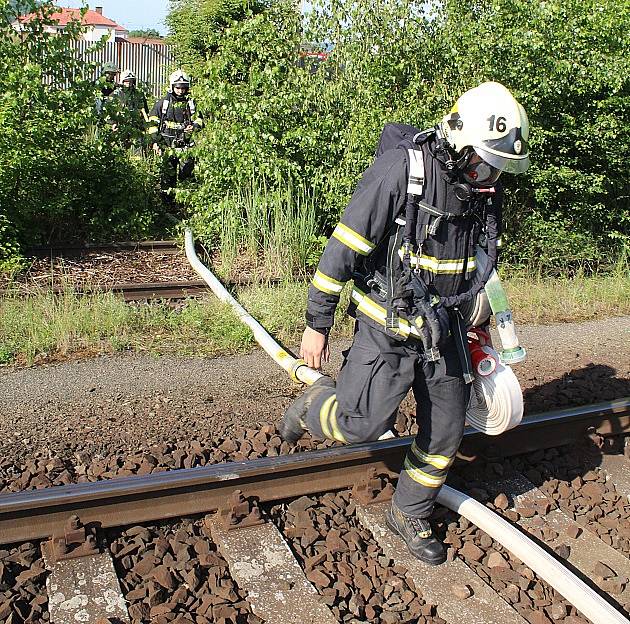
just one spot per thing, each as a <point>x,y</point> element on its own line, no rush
<point>63,175</point>
<point>273,125</point>
<point>286,141</point>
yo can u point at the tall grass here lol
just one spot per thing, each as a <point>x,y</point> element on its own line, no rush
<point>275,232</point>
<point>538,298</point>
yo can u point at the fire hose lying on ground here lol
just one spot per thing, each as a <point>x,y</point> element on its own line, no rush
<point>498,407</point>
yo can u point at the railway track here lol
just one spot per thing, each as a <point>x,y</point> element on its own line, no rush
<point>157,246</point>
<point>342,565</point>
<point>130,291</point>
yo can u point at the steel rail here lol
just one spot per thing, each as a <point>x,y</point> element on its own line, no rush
<point>156,246</point>
<point>39,514</point>
<point>129,291</point>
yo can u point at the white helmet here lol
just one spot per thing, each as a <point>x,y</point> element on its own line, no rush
<point>127,75</point>
<point>489,120</point>
<point>180,78</point>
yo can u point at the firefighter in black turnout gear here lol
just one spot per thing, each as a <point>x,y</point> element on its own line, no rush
<point>409,239</point>
<point>104,98</point>
<point>173,121</point>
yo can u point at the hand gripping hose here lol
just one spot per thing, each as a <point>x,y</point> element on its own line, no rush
<point>578,593</point>
<point>495,408</point>
<point>296,368</point>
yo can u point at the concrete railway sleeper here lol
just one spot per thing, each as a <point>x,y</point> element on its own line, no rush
<point>340,566</point>
<point>338,540</point>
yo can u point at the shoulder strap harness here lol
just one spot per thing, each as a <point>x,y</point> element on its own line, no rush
<point>403,234</point>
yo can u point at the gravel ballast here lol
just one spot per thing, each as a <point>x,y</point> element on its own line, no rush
<point>124,404</point>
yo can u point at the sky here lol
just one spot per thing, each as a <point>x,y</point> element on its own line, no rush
<point>132,14</point>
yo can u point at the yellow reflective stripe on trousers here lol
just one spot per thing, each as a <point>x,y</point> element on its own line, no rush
<point>327,284</point>
<point>437,461</point>
<point>324,413</point>
<point>332,419</point>
<point>444,266</point>
<point>351,239</point>
<point>378,313</point>
<point>421,477</point>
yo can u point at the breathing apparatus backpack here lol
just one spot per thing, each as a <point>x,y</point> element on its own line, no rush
<point>403,289</point>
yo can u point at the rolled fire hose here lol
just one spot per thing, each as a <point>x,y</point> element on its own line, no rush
<point>578,593</point>
<point>559,577</point>
<point>493,409</point>
<point>496,399</point>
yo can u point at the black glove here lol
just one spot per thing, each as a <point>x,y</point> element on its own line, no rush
<point>435,326</point>
<point>431,319</point>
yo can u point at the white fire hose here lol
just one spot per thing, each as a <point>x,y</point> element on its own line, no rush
<point>578,593</point>
<point>559,577</point>
<point>297,369</point>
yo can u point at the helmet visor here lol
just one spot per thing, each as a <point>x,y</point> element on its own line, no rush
<point>514,164</point>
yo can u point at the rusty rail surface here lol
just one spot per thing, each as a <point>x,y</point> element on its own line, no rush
<point>41,513</point>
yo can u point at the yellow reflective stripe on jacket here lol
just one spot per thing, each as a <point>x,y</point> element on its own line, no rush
<point>419,476</point>
<point>327,284</point>
<point>378,313</point>
<point>443,266</point>
<point>174,125</point>
<point>437,461</point>
<point>351,239</point>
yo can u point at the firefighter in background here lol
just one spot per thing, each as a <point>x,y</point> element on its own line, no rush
<point>133,111</point>
<point>105,88</point>
<point>173,121</point>
<point>408,239</point>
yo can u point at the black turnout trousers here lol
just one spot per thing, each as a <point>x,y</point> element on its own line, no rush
<point>375,377</point>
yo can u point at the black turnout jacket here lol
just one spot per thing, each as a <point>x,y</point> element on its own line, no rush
<point>445,261</point>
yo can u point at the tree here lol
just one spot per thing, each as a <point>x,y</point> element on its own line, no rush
<point>408,60</point>
<point>147,33</point>
<point>61,178</point>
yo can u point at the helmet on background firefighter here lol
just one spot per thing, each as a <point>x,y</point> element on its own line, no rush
<point>179,78</point>
<point>110,70</point>
<point>488,130</point>
<point>128,76</point>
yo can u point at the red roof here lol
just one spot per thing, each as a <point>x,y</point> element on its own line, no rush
<point>91,18</point>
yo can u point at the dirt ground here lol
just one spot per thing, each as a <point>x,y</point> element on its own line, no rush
<point>124,403</point>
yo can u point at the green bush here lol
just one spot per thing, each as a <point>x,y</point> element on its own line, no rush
<point>62,177</point>
<point>408,61</point>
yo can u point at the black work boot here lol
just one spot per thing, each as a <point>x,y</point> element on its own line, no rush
<point>417,534</point>
<point>292,425</point>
